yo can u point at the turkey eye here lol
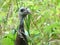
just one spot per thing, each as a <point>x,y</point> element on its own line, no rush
<point>22,10</point>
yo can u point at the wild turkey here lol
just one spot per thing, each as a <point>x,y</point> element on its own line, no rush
<point>21,37</point>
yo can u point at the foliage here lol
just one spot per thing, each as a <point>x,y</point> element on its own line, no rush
<point>42,25</point>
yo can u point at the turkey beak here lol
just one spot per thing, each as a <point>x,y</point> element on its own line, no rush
<point>28,11</point>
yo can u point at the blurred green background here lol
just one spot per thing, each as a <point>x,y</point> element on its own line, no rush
<point>42,25</point>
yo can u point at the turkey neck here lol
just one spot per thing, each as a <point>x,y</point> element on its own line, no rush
<point>21,26</point>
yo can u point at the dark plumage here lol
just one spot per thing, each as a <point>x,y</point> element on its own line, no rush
<point>21,37</point>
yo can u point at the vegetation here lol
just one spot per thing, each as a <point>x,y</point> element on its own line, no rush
<point>42,25</point>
